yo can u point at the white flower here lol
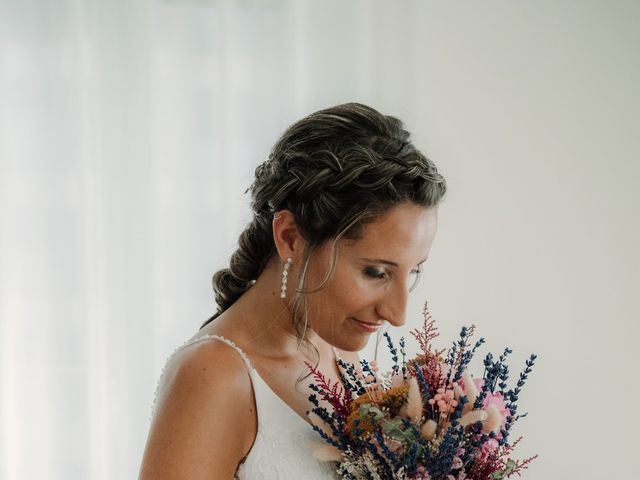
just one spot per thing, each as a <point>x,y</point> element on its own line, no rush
<point>472,417</point>
<point>428,430</point>
<point>414,401</point>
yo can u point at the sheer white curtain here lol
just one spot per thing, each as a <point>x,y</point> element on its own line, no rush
<point>128,134</point>
<point>129,131</point>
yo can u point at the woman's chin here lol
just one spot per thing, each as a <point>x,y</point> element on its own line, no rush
<point>349,339</point>
<point>353,343</point>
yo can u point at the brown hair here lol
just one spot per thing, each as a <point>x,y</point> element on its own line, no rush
<point>335,170</point>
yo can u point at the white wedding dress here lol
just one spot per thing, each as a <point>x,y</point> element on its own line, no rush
<point>281,450</point>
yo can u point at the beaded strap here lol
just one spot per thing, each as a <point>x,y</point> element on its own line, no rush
<point>187,344</point>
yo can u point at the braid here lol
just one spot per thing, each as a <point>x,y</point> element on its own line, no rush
<point>329,179</point>
<point>335,170</point>
<point>255,248</point>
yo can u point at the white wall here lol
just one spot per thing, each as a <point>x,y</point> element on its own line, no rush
<point>130,129</point>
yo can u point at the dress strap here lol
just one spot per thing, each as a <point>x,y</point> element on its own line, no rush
<point>222,339</point>
<point>187,344</point>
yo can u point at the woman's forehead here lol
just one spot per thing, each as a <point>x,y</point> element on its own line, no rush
<point>403,231</point>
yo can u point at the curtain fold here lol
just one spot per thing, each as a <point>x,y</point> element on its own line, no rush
<point>129,132</point>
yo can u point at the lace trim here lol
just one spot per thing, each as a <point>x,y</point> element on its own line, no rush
<point>186,344</point>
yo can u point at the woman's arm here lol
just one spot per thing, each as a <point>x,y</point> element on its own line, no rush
<point>205,417</point>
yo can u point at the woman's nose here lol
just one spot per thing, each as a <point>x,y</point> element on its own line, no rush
<point>393,306</point>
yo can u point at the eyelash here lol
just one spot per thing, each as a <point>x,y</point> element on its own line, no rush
<point>373,273</point>
<point>381,275</point>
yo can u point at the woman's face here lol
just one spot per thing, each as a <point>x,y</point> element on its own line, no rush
<point>372,276</point>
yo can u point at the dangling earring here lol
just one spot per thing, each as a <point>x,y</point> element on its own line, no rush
<point>285,275</point>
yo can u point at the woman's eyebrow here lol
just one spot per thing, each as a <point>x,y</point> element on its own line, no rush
<point>386,262</point>
<point>380,260</point>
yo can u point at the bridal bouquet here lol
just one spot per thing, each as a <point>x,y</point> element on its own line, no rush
<point>426,419</point>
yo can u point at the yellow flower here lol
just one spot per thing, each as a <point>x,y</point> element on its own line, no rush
<point>390,400</point>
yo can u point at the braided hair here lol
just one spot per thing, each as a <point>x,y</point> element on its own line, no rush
<point>335,170</point>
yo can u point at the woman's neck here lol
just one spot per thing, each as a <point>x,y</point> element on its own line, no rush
<point>265,319</point>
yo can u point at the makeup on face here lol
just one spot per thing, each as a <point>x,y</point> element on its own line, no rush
<point>372,278</point>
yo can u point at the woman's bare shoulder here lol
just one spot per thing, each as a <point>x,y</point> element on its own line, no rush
<point>206,362</point>
<point>205,418</point>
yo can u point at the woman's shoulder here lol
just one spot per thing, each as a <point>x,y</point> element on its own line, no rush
<point>204,404</point>
<point>212,340</point>
<point>213,358</point>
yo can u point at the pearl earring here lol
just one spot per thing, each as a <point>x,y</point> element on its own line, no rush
<point>285,275</point>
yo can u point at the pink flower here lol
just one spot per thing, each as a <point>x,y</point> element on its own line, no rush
<point>492,398</point>
<point>497,400</point>
<point>489,447</point>
<point>461,476</point>
<point>422,473</point>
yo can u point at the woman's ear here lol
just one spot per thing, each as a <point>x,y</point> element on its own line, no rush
<point>286,236</point>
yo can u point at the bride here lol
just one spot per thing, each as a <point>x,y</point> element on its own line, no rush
<point>344,215</point>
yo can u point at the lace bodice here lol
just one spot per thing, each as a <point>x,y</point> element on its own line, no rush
<point>281,450</point>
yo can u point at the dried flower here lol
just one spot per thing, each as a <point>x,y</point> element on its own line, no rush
<point>326,453</point>
<point>426,419</point>
<point>428,430</point>
<point>414,402</point>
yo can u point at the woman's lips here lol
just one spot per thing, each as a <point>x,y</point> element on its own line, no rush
<point>367,327</point>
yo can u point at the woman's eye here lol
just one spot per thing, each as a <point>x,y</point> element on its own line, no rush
<point>375,273</point>
<point>416,273</point>
<point>378,274</point>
